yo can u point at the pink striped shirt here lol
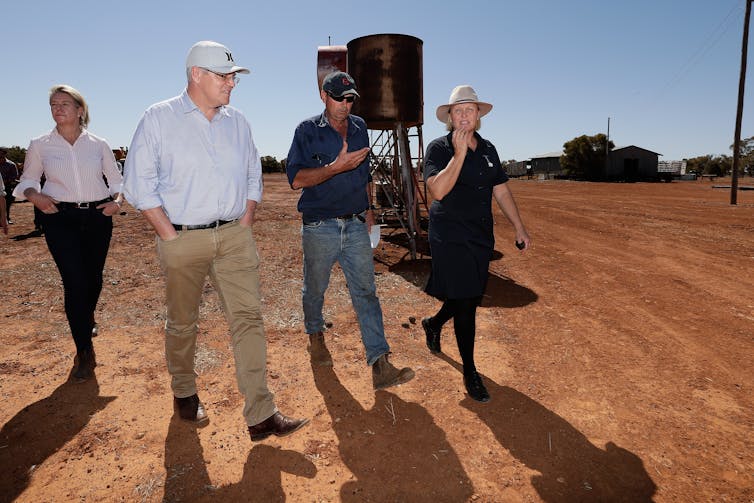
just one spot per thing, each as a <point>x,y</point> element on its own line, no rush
<point>73,173</point>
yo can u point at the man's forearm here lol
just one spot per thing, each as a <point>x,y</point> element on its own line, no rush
<point>309,177</point>
<point>160,222</point>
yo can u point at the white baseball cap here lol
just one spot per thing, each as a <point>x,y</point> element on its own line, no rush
<point>213,56</point>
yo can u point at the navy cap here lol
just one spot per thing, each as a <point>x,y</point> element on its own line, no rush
<point>339,84</point>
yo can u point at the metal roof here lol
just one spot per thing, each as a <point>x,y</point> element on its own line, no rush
<point>548,155</point>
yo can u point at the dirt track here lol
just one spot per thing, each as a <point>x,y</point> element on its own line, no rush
<point>618,353</point>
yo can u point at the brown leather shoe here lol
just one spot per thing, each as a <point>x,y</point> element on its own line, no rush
<point>191,409</point>
<point>84,362</point>
<point>318,350</point>
<point>276,424</point>
<point>384,374</point>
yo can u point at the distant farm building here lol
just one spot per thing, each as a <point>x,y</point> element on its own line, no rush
<point>668,170</point>
<point>516,168</point>
<point>632,163</point>
<point>626,163</point>
<point>546,165</point>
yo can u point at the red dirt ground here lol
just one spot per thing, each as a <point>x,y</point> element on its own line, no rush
<point>618,353</point>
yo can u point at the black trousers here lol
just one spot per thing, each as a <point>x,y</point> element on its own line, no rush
<point>9,200</point>
<point>463,312</point>
<point>78,240</point>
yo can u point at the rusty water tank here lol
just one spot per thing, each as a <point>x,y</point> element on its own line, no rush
<point>388,72</point>
<point>330,58</point>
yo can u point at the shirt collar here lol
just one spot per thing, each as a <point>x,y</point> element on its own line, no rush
<point>54,133</point>
<point>188,105</point>
<point>322,121</point>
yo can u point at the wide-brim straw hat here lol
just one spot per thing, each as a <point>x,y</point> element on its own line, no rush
<point>462,94</point>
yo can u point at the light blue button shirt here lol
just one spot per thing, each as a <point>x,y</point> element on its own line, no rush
<point>198,170</point>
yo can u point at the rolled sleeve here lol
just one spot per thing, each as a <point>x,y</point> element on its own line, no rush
<point>298,153</point>
<point>32,174</point>
<point>256,186</point>
<point>141,176</point>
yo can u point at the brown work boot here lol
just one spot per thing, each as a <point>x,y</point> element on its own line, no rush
<point>384,374</point>
<point>318,350</point>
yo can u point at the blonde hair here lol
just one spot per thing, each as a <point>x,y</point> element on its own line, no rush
<point>77,97</point>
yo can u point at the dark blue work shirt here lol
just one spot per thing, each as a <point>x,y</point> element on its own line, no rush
<point>316,144</point>
<point>471,196</point>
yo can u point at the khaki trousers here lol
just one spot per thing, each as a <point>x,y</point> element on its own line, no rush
<point>227,254</point>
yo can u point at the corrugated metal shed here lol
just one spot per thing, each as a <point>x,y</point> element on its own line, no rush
<point>546,164</point>
<point>632,163</point>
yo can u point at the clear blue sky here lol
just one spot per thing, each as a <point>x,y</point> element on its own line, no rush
<point>665,71</point>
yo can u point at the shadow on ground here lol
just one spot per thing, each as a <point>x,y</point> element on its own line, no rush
<point>570,467</point>
<point>395,450</point>
<point>186,477</point>
<point>501,291</point>
<point>42,428</point>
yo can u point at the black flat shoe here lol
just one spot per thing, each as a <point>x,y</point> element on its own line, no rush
<point>84,364</point>
<point>433,336</point>
<point>475,387</point>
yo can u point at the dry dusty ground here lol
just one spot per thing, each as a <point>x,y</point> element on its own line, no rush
<point>618,353</point>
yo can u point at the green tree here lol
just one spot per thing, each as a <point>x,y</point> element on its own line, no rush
<point>271,165</point>
<point>746,155</point>
<point>584,156</point>
<point>719,165</point>
<point>16,154</point>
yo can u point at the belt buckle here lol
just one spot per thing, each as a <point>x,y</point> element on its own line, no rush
<point>82,206</point>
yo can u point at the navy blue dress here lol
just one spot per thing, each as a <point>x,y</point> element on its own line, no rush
<point>461,237</point>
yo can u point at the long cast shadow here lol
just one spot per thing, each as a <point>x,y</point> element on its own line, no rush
<point>570,467</point>
<point>186,476</point>
<point>395,450</point>
<point>41,429</point>
<point>187,479</point>
<point>262,479</point>
<point>501,291</point>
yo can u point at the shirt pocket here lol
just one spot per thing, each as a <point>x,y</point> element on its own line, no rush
<point>322,158</point>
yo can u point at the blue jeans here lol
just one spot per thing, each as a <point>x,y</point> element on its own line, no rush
<point>346,241</point>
